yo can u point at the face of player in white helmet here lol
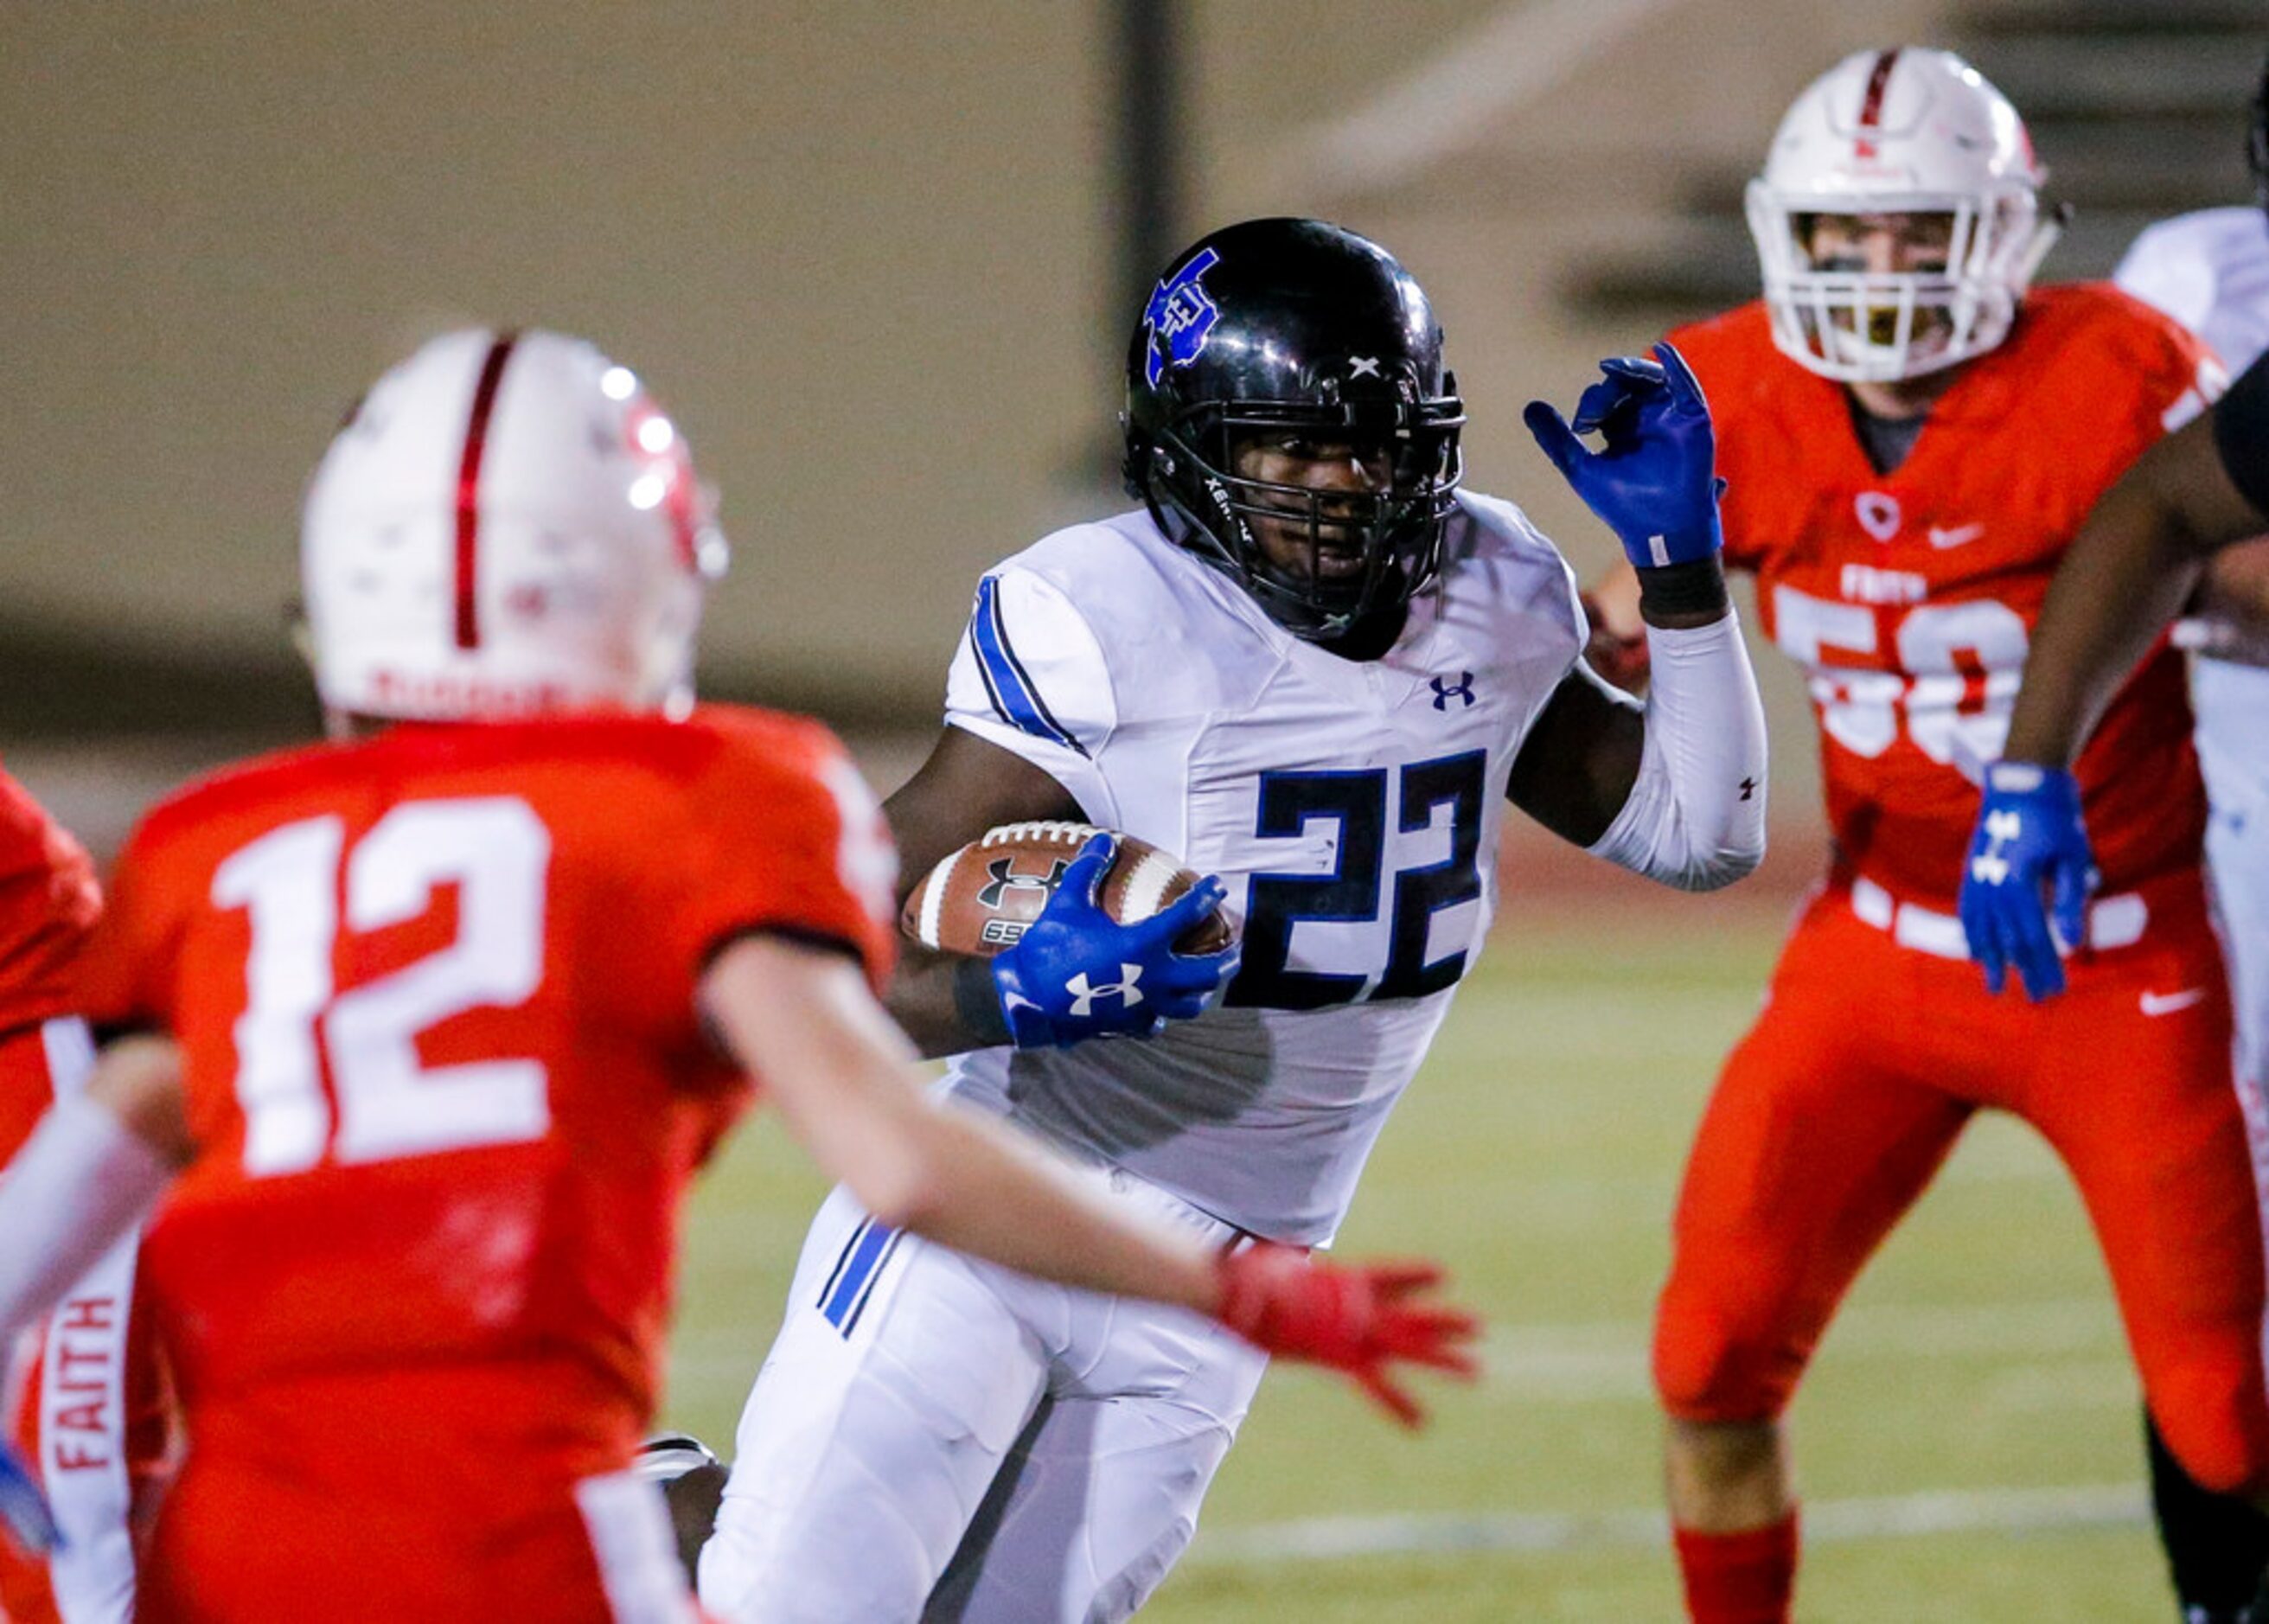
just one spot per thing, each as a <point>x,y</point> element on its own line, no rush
<point>1879,247</point>
<point>1895,221</point>
<point>507,525</point>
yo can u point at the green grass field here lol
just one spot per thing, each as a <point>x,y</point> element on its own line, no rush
<point>1969,1440</point>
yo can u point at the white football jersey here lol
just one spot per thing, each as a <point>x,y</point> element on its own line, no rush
<point>1351,808</point>
<point>2210,271</point>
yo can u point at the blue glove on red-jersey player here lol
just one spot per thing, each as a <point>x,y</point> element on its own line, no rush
<point>1653,482</point>
<point>2030,839</point>
<point>1077,973</point>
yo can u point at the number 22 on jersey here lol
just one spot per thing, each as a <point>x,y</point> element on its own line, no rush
<point>1380,901</point>
<point>497,854</point>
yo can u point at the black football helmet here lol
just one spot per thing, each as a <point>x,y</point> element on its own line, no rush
<point>1296,329</point>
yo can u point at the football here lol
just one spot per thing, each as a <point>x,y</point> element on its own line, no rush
<point>979,899</point>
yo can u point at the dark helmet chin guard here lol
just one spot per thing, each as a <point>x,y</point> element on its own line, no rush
<point>1295,331</point>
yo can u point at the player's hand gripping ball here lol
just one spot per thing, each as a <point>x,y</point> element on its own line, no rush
<point>980,899</point>
<point>1091,934</point>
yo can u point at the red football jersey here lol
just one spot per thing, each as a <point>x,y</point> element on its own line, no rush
<point>436,995</point>
<point>48,902</point>
<point>1910,597</point>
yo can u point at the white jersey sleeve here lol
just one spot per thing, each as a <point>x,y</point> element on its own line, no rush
<point>1030,677</point>
<point>2210,271</point>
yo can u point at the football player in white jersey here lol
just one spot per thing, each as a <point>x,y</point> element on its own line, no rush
<point>2188,527</point>
<point>1311,664</point>
<point>2210,271</point>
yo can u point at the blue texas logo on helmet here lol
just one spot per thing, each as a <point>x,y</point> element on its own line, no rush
<point>1179,316</point>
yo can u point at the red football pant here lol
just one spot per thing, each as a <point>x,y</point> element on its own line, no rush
<point>91,1411</point>
<point>1833,1112</point>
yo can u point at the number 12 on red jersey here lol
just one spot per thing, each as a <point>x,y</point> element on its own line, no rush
<point>498,852</point>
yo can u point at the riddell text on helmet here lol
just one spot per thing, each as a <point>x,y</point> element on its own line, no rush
<point>442,692</point>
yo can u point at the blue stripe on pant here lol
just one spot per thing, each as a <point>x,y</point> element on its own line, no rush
<point>854,1273</point>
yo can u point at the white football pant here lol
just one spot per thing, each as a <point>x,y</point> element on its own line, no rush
<point>936,1438</point>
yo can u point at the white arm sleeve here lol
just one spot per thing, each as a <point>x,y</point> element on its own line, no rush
<point>1695,818</point>
<point>81,1181</point>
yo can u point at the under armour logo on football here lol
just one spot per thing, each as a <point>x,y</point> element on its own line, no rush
<point>1989,866</point>
<point>1084,993</point>
<point>1363,366</point>
<point>1006,879</point>
<point>1445,691</point>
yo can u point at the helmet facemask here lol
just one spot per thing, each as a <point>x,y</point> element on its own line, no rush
<point>1845,321</point>
<point>1319,558</point>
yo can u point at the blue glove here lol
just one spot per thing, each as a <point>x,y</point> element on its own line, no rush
<point>2030,836</point>
<point>1654,483</point>
<point>23,1506</point>
<point>1077,973</point>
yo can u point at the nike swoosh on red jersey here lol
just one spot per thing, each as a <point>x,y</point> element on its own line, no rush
<point>1955,535</point>
<point>2167,1003</point>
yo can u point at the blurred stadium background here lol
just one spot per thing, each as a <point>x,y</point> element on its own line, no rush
<point>880,260</point>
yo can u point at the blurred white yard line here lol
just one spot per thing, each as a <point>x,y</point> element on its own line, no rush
<point>1448,102</point>
<point>1935,1511</point>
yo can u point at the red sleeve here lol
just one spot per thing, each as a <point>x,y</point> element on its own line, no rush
<point>49,903</point>
<point>788,838</point>
<point>2167,373</point>
<point>124,980</point>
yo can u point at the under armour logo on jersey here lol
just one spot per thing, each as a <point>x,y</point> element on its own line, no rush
<point>1364,366</point>
<point>1084,994</point>
<point>1989,866</point>
<point>1179,316</point>
<point>1878,513</point>
<point>1445,691</point>
<point>1006,879</point>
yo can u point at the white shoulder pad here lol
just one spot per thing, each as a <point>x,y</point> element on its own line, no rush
<point>1030,677</point>
<point>2168,268</point>
<point>1524,570</point>
<point>2210,271</point>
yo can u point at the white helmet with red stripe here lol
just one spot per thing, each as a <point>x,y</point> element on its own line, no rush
<point>507,525</point>
<point>1898,132</point>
